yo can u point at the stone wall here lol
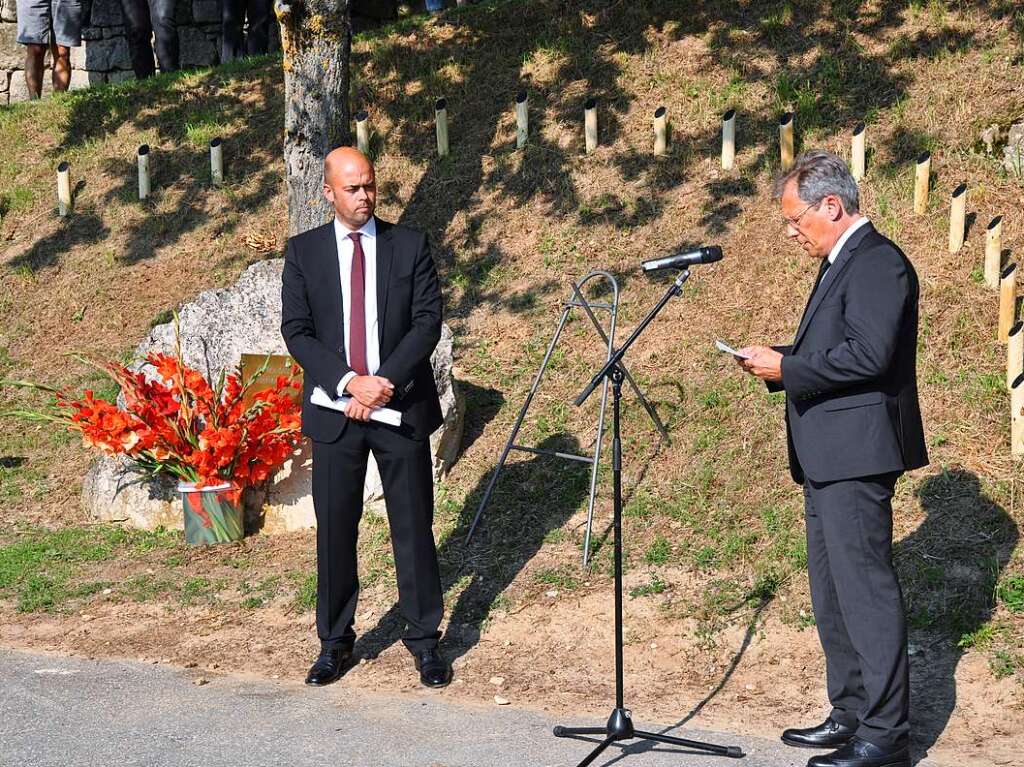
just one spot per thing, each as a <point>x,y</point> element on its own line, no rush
<point>103,55</point>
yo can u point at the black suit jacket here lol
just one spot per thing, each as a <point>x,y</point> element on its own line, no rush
<point>850,375</point>
<point>408,322</point>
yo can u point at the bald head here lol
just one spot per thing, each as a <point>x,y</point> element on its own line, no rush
<point>350,186</point>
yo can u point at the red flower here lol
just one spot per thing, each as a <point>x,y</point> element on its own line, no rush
<point>175,422</point>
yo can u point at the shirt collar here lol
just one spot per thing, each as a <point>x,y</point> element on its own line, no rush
<point>862,221</point>
<point>369,229</point>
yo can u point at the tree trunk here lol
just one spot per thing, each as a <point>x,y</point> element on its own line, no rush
<point>315,42</point>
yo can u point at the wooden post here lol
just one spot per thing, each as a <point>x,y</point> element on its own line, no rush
<point>660,131</point>
<point>857,164</point>
<point>728,139</point>
<point>217,161</point>
<point>363,132</point>
<point>993,251</point>
<point>1014,354</point>
<point>1007,301</point>
<point>921,178</point>
<point>1017,416</point>
<point>957,216</point>
<point>590,124</point>
<point>786,140</point>
<point>63,189</point>
<point>522,120</point>
<point>316,40</point>
<point>441,124</point>
<point>144,187</point>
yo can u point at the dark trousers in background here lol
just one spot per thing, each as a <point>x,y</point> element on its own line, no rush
<point>143,20</point>
<point>858,605</point>
<point>339,471</point>
<point>233,16</point>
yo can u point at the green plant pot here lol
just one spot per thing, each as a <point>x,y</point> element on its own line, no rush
<point>212,514</point>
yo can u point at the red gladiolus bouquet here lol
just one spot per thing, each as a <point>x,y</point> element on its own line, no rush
<point>178,424</point>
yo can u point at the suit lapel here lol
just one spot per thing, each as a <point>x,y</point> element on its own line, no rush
<point>841,262</point>
<point>385,256</point>
<point>332,277</point>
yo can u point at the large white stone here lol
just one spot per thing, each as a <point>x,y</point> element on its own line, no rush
<point>83,79</point>
<point>216,329</point>
<point>12,55</point>
<point>18,88</point>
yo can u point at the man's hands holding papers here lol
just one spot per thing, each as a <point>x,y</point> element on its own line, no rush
<point>357,411</point>
<point>762,361</point>
<point>352,408</point>
<point>368,392</point>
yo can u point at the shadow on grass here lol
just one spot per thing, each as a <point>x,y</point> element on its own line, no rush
<point>532,498</point>
<point>563,53</point>
<point>949,567</point>
<point>79,229</point>
<point>177,113</point>
<point>482,405</point>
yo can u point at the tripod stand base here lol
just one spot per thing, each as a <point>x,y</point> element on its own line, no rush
<point>620,727</point>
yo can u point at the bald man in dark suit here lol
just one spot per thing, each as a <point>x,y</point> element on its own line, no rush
<point>361,313</point>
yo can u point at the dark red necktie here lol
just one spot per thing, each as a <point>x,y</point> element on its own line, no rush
<point>357,310</point>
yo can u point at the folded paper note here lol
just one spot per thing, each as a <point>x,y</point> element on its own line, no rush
<point>381,414</point>
<point>722,346</point>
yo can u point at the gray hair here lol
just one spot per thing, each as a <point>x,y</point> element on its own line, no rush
<point>818,174</point>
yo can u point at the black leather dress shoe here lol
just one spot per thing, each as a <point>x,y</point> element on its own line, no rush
<point>329,666</point>
<point>828,734</point>
<point>434,670</point>
<point>860,753</point>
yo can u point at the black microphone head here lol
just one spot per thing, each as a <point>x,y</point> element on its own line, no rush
<point>703,255</point>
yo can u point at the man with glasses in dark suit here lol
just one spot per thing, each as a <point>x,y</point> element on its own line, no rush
<point>853,426</point>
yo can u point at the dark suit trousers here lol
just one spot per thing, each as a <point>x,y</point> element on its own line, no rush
<point>143,20</point>
<point>858,605</point>
<point>339,471</point>
<point>233,14</point>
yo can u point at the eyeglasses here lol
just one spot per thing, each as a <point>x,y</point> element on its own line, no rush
<point>795,220</point>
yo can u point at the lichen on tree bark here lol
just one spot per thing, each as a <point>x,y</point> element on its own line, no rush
<point>316,40</point>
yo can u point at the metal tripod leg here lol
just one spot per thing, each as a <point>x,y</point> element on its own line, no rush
<point>577,300</point>
<point>519,422</point>
<point>596,752</point>
<point>609,339</point>
<point>629,379</point>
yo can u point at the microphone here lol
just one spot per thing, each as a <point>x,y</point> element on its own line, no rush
<point>703,255</point>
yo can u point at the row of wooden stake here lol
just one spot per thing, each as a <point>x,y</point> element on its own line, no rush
<point>145,186</point>
<point>996,277</point>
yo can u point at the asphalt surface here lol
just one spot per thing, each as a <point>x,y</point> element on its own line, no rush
<point>74,712</point>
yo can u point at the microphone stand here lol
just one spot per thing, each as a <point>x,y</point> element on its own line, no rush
<point>620,723</point>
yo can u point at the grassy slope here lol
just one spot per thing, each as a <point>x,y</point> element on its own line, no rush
<point>713,520</point>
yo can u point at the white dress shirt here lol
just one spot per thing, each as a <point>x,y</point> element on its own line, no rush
<point>345,250</point>
<point>862,221</point>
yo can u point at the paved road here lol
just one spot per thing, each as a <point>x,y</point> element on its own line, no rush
<point>84,713</point>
